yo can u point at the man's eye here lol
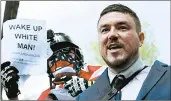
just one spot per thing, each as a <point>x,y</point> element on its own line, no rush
<point>123,28</point>
<point>104,30</point>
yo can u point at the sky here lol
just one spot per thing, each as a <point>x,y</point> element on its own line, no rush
<point>79,19</point>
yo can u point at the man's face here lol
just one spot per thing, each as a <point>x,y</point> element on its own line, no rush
<point>118,38</point>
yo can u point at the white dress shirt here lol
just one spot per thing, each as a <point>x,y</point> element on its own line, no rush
<point>131,90</point>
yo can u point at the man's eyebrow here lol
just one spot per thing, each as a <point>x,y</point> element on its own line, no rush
<point>122,22</point>
<point>117,23</point>
<point>104,25</point>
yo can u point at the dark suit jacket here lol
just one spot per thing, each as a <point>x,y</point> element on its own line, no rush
<point>155,87</point>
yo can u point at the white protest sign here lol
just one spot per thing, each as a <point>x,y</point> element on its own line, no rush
<point>25,45</point>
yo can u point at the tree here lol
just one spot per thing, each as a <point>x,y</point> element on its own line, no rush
<point>148,50</point>
<point>11,9</point>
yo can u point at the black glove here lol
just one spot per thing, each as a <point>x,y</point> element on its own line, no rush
<point>77,85</point>
<point>9,79</point>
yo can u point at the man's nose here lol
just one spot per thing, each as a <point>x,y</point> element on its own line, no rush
<point>113,35</point>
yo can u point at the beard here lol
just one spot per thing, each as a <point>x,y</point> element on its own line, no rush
<point>123,63</point>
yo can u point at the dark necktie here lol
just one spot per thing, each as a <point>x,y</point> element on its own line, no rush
<point>118,83</point>
<point>116,86</point>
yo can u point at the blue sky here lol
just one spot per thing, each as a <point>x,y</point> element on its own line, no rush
<point>79,18</point>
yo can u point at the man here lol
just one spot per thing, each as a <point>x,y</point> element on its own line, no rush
<point>127,77</point>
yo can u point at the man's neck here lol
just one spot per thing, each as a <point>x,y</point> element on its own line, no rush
<point>135,66</point>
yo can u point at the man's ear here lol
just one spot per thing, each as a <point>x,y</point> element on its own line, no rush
<point>141,38</point>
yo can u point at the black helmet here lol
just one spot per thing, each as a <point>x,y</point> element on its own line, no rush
<point>59,40</point>
<point>61,45</point>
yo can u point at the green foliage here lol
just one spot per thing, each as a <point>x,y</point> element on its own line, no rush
<point>148,50</point>
<point>148,53</point>
<point>95,49</point>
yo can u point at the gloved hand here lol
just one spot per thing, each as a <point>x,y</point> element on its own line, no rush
<point>63,77</point>
<point>77,85</point>
<point>9,79</point>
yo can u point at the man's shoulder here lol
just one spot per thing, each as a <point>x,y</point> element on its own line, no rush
<point>160,64</point>
<point>158,79</point>
<point>161,68</point>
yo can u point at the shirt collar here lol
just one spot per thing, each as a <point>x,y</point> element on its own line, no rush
<point>138,65</point>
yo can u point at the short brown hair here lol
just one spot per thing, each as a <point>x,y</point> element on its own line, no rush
<point>123,9</point>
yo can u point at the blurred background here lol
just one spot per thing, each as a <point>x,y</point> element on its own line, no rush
<point>79,19</point>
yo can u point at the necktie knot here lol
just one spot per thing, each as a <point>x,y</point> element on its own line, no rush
<point>118,82</point>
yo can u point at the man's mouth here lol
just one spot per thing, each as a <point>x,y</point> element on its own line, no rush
<point>114,46</point>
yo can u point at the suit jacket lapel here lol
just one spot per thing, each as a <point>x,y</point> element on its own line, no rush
<point>103,85</point>
<point>154,75</point>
